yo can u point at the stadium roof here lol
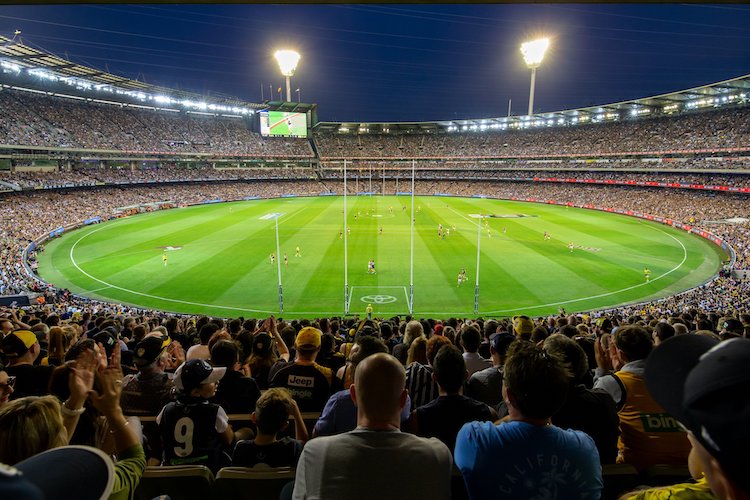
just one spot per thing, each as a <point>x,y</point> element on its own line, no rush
<point>735,91</point>
<point>16,55</point>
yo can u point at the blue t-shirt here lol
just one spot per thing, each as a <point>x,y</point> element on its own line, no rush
<point>521,460</point>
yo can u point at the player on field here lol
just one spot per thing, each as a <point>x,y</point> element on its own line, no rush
<point>381,230</point>
<point>297,252</point>
<point>164,259</point>
<point>571,246</point>
<point>286,260</point>
<point>273,258</point>
<point>371,266</point>
<point>341,234</point>
<point>647,274</point>
<point>460,279</point>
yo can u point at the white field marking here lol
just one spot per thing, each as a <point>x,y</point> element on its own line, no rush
<point>270,216</point>
<point>351,291</point>
<point>141,294</point>
<point>100,288</point>
<point>684,258</point>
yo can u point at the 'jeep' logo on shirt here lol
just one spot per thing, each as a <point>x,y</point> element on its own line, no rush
<point>298,381</point>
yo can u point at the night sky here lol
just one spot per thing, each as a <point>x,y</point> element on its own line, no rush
<point>402,62</point>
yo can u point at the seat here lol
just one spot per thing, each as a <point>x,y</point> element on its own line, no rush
<point>246,483</point>
<point>664,475</point>
<point>179,482</point>
<point>619,479</point>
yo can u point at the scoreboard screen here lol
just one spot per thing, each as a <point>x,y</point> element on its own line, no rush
<point>280,123</point>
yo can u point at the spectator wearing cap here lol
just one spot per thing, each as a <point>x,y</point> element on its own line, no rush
<point>487,385</point>
<point>705,384</point>
<point>527,456</point>
<point>194,430</point>
<point>309,383</point>
<point>470,340</point>
<point>443,417</point>
<point>146,392</point>
<point>396,465</point>
<point>730,328</point>
<point>328,355</point>
<point>648,434</point>
<point>237,392</point>
<point>21,348</point>
<point>592,412</point>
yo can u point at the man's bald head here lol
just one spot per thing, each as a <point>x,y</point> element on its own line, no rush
<point>379,388</point>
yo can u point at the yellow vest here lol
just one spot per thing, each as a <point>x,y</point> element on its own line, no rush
<point>648,434</point>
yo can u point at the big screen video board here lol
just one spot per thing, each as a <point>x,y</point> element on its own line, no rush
<point>280,123</point>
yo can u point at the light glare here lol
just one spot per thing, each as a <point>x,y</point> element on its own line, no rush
<point>287,60</point>
<point>533,52</point>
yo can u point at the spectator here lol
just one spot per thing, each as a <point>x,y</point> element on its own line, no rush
<point>470,340</point>
<point>527,456</point>
<point>592,412</point>
<point>271,416</point>
<point>419,381</point>
<point>148,391</point>
<point>648,435</point>
<point>443,417</point>
<point>408,466</point>
<point>704,385</point>
<point>22,348</point>
<point>339,414</point>
<point>236,393</point>
<point>193,430</point>
<point>487,385</point>
<point>310,384</point>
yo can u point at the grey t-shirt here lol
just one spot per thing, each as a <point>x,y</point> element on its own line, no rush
<point>374,465</point>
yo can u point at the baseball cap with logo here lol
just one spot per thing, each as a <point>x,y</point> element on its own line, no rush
<point>18,343</point>
<point>196,372</point>
<point>308,338</point>
<point>149,349</point>
<point>705,385</point>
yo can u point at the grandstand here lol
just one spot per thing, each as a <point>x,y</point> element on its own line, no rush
<point>79,146</point>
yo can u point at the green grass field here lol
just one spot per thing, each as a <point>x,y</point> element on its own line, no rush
<point>219,261</point>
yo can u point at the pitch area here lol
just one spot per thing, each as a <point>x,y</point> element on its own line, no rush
<point>216,259</point>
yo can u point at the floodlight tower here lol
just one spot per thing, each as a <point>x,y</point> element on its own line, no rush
<point>287,60</point>
<point>533,53</point>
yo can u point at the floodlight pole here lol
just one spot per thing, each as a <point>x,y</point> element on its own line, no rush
<point>288,88</point>
<point>278,265</point>
<point>479,252</point>
<point>346,256</point>
<point>411,265</point>
<point>531,90</point>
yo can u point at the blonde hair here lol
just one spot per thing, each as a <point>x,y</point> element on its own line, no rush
<point>29,426</point>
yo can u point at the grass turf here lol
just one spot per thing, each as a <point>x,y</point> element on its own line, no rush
<point>223,268</point>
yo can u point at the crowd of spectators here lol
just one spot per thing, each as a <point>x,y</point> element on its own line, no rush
<point>712,130</point>
<point>41,120</point>
<point>572,387</point>
<point>157,174</point>
<point>29,179</point>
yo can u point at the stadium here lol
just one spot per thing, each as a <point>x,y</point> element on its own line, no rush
<point>129,206</point>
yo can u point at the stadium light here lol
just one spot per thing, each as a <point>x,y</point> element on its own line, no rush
<point>533,54</point>
<point>287,60</point>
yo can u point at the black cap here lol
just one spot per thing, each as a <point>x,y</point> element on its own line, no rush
<point>705,385</point>
<point>501,341</point>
